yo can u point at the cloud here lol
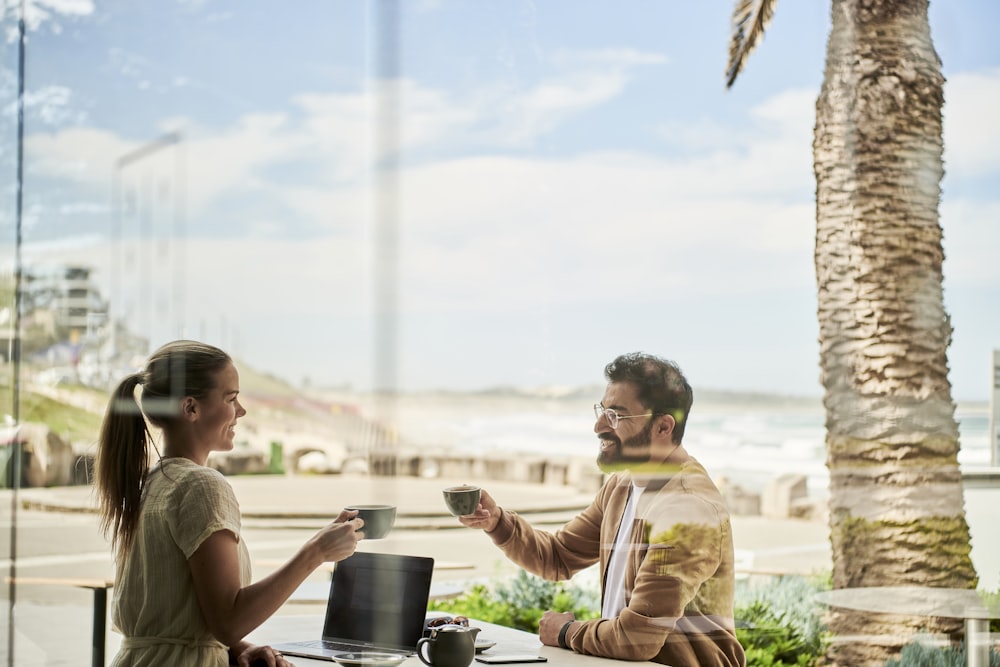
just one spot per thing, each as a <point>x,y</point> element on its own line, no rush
<point>321,153</point>
<point>526,116</point>
<point>971,133</point>
<point>519,229</point>
<point>523,232</point>
<point>779,134</point>
<point>493,115</point>
<point>279,207</point>
<point>792,110</point>
<point>39,12</point>
<point>580,81</point>
<point>212,276</point>
<point>971,239</point>
<point>212,165</point>
<point>81,155</point>
<point>53,105</point>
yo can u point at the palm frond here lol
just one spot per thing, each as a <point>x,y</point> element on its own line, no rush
<point>750,19</point>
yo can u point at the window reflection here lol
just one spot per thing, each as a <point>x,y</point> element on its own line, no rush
<point>378,198</point>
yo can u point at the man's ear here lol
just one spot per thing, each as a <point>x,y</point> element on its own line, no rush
<point>189,408</point>
<point>665,426</point>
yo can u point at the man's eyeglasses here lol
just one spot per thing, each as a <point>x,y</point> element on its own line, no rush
<point>613,415</point>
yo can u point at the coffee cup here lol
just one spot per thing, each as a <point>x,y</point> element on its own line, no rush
<point>463,499</point>
<point>378,519</point>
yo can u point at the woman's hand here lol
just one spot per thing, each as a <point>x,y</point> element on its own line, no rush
<point>486,516</point>
<point>339,539</point>
<point>259,656</point>
<point>232,610</point>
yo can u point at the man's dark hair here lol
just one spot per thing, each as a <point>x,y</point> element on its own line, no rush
<point>661,384</point>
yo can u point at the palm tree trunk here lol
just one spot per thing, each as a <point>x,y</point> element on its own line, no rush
<point>896,506</point>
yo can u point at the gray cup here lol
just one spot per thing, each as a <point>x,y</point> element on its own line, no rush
<point>378,519</point>
<point>462,500</point>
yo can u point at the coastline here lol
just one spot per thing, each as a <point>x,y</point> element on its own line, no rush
<point>750,439</point>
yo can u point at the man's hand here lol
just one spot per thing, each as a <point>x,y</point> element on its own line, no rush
<point>550,624</point>
<point>486,516</point>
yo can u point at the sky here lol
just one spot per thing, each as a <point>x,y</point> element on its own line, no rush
<point>574,181</point>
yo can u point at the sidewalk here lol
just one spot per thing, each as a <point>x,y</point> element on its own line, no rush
<point>317,499</point>
<point>793,546</point>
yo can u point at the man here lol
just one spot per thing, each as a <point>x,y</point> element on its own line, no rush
<point>658,527</point>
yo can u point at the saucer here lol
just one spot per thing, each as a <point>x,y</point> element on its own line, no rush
<point>483,644</point>
<point>369,659</point>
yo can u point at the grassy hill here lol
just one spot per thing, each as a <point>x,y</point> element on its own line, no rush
<point>257,384</point>
<point>73,423</point>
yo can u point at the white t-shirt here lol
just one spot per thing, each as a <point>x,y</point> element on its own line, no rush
<point>614,591</point>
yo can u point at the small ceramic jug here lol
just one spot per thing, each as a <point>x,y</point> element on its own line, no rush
<point>448,646</point>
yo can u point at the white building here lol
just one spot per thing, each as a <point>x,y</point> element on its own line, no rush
<point>71,296</point>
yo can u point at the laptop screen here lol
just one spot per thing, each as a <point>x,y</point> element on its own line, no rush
<point>379,599</point>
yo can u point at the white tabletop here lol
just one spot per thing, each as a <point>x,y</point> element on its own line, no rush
<point>289,627</point>
<point>911,601</point>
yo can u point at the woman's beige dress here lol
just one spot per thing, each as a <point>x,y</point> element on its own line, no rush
<point>155,607</point>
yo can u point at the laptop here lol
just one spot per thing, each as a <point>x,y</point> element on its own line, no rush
<point>377,603</point>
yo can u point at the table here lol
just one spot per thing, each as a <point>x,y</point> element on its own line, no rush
<point>100,588</point>
<point>925,601</point>
<point>290,627</point>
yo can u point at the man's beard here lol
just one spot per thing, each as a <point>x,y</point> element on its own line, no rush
<point>616,458</point>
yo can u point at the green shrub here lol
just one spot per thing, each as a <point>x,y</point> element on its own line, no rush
<point>479,603</point>
<point>777,622</point>
<point>519,601</point>
<point>919,654</point>
<point>769,639</point>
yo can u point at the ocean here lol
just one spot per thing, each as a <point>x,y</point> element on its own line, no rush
<point>749,442</point>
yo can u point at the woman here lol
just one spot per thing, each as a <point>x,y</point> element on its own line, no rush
<point>183,592</point>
